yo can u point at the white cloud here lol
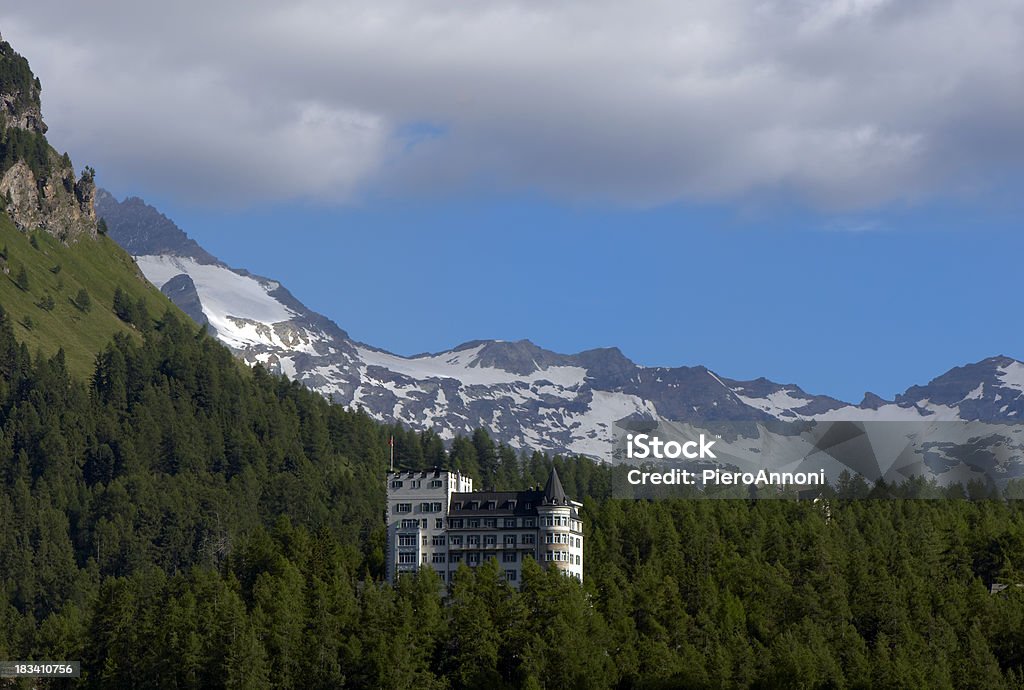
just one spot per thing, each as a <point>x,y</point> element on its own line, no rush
<point>845,103</point>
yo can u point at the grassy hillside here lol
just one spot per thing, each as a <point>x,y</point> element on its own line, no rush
<point>59,272</point>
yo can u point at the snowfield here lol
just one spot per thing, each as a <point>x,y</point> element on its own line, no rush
<point>224,294</point>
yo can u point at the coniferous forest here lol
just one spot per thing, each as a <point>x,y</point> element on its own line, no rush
<point>181,521</point>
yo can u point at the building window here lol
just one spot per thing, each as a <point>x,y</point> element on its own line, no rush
<point>511,575</point>
<point>455,524</point>
<point>436,484</point>
<point>424,507</point>
<point>529,539</point>
<point>509,557</point>
<point>439,557</point>
<point>410,524</point>
<point>547,556</point>
<point>406,557</point>
<point>457,505</point>
<point>473,540</point>
<point>407,540</point>
<point>455,558</point>
<point>438,523</point>
<point>473,558</point>
<point>441,574</point>
<point>490,505</point>
<point>435,507</point>
<point>473,523</point>
<point>528,505</point>
<point>490,522</point>
<point>437,540</point>
<point>397,484</point>
<point>456,540</point>
<point>490,540</point>
<point>403,507</point>
<point>529,522</point>
<point>424,523</point>
<point>578,562</point>
<point>510,523</point>
<point>510,540</point>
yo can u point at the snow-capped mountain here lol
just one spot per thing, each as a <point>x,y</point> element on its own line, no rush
<point>528,397</point>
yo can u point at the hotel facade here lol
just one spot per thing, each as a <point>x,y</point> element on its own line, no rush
<point>436,520</point>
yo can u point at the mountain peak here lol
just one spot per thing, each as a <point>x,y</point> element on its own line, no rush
<point>873,402</point>
<point>516,357</point>
<point>144,231</point>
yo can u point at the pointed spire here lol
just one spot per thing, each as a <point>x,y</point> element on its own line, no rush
<point>553,491</point>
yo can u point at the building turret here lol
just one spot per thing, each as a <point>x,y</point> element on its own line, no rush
<point>560,529</point>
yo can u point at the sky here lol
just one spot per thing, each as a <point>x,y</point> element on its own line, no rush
<point>819,192</point>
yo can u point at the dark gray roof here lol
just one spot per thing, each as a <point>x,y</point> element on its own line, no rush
<point>475,503</point>
<point>553,491</point>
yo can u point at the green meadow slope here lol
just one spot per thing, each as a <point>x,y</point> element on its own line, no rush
<point>45,314</point>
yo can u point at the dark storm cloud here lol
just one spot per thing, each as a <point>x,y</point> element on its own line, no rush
<point>843,103</point>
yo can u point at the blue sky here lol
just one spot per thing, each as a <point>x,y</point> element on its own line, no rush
<point>822,192</point>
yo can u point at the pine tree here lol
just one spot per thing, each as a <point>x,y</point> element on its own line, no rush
<point>140,315</point>
<point>471,654</point>
<point>82,300</point>
<point>21,279</point>
<point>124,308</point>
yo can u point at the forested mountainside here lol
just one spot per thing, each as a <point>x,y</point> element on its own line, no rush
<point>176,520</point>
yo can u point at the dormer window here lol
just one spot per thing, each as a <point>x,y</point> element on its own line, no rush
<point>490,505</point>
<point>457,505</point>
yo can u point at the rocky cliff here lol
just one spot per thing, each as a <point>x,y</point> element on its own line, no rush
<point>38,186</point>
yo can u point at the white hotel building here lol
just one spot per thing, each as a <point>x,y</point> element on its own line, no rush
<point>436,520</point>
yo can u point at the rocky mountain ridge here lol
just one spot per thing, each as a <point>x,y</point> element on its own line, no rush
<point>527,396</point>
